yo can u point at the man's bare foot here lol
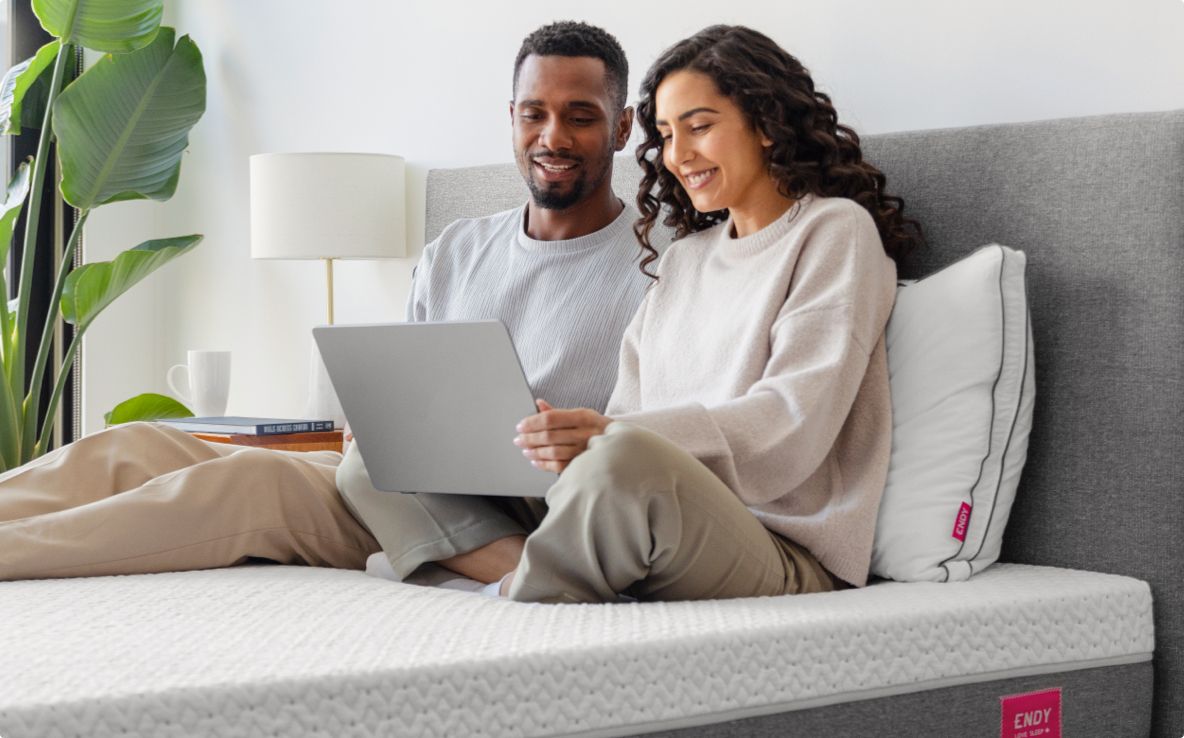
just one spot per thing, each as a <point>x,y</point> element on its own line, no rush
<point>489,563</point>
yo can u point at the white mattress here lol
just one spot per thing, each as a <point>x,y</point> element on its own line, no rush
<point>295,651</point>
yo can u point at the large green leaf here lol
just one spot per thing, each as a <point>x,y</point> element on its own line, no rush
<point>27,82</point>
<point>148,406</point>
<point>92,287</point>
<point>103,25</point>
<point>14,200</point>
<point>123,125</point>
<point>10,417</point>
<point>10,210</point>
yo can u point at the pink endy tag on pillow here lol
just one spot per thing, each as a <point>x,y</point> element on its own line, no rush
<point>1031,715</point>
<point>961,522</point>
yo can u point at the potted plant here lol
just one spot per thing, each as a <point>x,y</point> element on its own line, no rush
<point>119,131</point>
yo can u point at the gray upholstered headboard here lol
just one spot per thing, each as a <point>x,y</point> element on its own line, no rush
<point>1098,206</point>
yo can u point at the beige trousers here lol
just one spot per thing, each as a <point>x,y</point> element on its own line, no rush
<point>144,498</point>
<point>634,514</point>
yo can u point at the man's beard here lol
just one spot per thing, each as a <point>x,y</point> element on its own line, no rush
<point>551,197</point>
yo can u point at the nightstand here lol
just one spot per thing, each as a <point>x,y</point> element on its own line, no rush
<point>326,441</point>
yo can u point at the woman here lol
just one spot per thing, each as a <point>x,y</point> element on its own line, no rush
<point>746,444</point>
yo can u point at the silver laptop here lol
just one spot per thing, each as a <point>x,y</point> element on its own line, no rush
<point>433,406</point>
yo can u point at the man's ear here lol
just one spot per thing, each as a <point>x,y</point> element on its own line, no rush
<point>511,112</point>
<point>624,127</point>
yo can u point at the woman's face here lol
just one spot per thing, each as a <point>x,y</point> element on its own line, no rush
<point>709,144</point>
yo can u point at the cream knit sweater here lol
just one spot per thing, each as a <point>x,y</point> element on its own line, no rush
<point>764,358</point>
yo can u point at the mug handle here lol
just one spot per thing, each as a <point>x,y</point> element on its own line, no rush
<point>172,385</point>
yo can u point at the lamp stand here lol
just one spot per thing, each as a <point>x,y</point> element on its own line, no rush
<point>322,400</point>
<point>329,281</point>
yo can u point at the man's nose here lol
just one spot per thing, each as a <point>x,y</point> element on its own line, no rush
<point>555,136</point>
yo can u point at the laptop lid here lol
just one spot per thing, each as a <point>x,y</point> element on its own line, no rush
<point>433,406</point>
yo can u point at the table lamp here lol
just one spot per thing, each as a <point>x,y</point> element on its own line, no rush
<point>326,206</point>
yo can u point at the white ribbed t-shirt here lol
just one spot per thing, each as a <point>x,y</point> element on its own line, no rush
<point>566,303</point>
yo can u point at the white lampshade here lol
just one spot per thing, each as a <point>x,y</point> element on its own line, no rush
<point>327,206</point>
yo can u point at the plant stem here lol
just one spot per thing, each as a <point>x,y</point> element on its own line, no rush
<point>32,221</point>
<point>33,399</point>
<point>52,409</point>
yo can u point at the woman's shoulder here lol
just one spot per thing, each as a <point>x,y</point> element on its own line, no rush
<point>691,246</point>
<point>838,210</point>
<point>838,242</point>
<point>843,222</point>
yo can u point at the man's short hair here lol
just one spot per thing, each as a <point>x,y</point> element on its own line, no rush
<point>574,38</point>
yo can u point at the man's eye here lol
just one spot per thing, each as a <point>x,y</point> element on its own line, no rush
<point>531,116</point>
<point>583,121</point>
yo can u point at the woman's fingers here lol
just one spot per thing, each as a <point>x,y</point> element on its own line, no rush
<point>553,437</point>
<point>552,419</point>
<point>554,453</point>
<point>558,437</point>
<point>551,466</point>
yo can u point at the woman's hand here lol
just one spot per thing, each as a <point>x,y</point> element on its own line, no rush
<point>552,438</point>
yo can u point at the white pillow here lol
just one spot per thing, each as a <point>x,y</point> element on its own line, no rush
<point>963,383</point>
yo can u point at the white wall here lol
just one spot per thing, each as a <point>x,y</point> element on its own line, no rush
<point>430,81</point>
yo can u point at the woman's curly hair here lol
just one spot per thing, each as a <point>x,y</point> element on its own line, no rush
<point>811,152</point>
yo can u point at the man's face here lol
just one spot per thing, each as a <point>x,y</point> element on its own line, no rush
<point>565,130</point>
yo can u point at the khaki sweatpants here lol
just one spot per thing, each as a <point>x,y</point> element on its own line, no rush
<point>634,514</point>
<point>145,497</point>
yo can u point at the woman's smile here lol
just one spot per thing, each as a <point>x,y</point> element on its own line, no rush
<point>700,179</point>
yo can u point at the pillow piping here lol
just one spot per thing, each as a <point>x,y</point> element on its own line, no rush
<point>1010,433</point>
<point>975,492</point>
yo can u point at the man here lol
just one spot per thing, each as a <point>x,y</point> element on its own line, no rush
<point>559,272</point>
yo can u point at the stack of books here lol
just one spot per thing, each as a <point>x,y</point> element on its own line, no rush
<point>285,434</point>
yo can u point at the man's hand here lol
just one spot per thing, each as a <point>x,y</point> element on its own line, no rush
<point>347,435</point>
<point>552,438</point>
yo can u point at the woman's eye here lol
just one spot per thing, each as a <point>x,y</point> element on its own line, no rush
<point>700,128</point>
<point>666,136</point>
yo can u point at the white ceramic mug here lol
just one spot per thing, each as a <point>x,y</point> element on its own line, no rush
<point>208,382</point>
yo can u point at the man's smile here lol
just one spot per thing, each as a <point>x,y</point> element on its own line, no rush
<point>554,169</point>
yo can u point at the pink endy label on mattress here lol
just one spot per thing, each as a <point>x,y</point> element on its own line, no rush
<point>1031,715</point>
<point>961,522</point>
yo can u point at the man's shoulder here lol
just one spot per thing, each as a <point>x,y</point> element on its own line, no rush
<point>485,228</point>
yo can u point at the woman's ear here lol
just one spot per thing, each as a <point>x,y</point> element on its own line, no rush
<point>766,142</point>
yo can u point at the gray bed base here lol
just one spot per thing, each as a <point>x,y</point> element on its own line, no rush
<point>1108,702</point>
<point>1097,204</point>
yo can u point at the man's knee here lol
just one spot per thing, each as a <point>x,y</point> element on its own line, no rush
<point>137,432</point>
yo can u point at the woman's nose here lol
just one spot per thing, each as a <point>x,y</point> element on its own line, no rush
<point>677,151</point>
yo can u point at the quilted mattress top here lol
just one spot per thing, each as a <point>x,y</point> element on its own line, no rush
<point>279,650</point>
